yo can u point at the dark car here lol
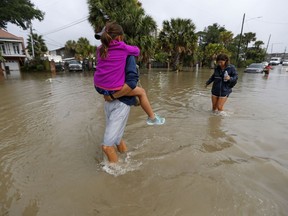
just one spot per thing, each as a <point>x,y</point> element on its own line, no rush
<point>59,66</point>
<point>255,68</point>
<point>75,65</point>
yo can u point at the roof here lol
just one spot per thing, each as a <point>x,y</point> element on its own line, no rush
<point>6,35</point>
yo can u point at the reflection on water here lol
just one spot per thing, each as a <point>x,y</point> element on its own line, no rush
<point>198,163</point>
<point>218,139</point>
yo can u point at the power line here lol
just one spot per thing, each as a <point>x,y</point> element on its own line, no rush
<point>76,22</point>
<point>52,41</point>
<point>277,23</point>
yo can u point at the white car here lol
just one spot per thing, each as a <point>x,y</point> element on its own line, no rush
<point>285,62</point>
<point>275,61</point>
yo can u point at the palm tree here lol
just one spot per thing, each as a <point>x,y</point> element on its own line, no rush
<point>226,38</point>
<point>39,45</point>
<point>138,27</point>
<point>212,50</point>
<point>248,38</point>
<point>212,34</point>
<point>258,44</point>
<point>70,48</point>
<point>256,53</point>
<point>83,47</point>
<point>178,37</point>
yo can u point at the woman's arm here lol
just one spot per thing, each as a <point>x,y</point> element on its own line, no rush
<point>233,74</point>
<point>211,79</point>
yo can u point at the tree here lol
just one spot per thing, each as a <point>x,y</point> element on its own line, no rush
<point>258,44</point>
<point>226,38</point>
<point>247,54</point>
<point>138,27</point>
<point>248,38</point>
<point>256,53</point>
<point>213,34</point>
<point>81,49</point>
<point>212,50</point>
<point>18,12</point>
<point>84,49</point>
<point>70,48</point>
<point>178,38</point>
<point>39,45</point>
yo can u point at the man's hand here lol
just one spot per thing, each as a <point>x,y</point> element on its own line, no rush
<point>108,98</point>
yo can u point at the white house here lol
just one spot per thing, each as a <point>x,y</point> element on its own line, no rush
<point>12,50</point>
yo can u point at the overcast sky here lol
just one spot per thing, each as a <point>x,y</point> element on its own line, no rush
<point>263,17</point>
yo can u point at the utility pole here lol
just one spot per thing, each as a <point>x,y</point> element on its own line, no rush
<point>267,56</point>
<point>240,40</point>
<point>268,43</point>
<point>32,40</point>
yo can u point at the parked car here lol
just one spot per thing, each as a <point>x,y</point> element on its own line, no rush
<point>255,68</point>
<point>265,63</point>
<point>75,65</point>
<point>275,61</point>
<point>59,66</point>
<point>285,62</point>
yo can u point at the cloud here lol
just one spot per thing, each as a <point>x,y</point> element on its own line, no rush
<point>203,13</point>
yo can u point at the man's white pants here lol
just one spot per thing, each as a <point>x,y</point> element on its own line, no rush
<point>117,114</point>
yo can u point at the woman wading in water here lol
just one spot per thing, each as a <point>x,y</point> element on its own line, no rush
<point>224,78</point>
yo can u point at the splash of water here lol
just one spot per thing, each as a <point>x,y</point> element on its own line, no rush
<point>123,166</point>
<point>222,113</point>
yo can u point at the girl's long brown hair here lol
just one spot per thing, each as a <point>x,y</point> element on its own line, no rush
<point>223,57</point>
<point>112,30</point>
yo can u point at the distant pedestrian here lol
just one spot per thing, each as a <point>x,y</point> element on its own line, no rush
<point>224,78</point>
<point>267,69</point>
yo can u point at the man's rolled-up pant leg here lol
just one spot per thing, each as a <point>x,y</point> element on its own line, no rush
<point>117,114</point>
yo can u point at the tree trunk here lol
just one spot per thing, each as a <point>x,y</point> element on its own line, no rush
<point>176,62</point>
<point>1,71</point>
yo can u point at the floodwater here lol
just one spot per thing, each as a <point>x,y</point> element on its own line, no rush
<point>198,163</point>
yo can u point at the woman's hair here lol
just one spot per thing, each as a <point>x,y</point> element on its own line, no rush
<point>112,30</point>
<point>223,57</point>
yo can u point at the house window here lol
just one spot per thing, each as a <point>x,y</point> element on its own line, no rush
<point>8,49</point>
<point>2,48</point>
<point>16,48</point>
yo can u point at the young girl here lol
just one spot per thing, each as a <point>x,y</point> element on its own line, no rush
<point>109,76</point>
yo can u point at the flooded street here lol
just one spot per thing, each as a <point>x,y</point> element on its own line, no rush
<point>198,163</point>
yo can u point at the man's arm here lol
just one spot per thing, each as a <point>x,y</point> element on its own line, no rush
<point>124,91</point>
<point>131,78</point>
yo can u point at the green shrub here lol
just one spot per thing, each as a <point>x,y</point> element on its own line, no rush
<point>40,67</point>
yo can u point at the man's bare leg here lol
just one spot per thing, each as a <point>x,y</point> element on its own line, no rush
<point>122,148</point>
<point>111,154</point>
